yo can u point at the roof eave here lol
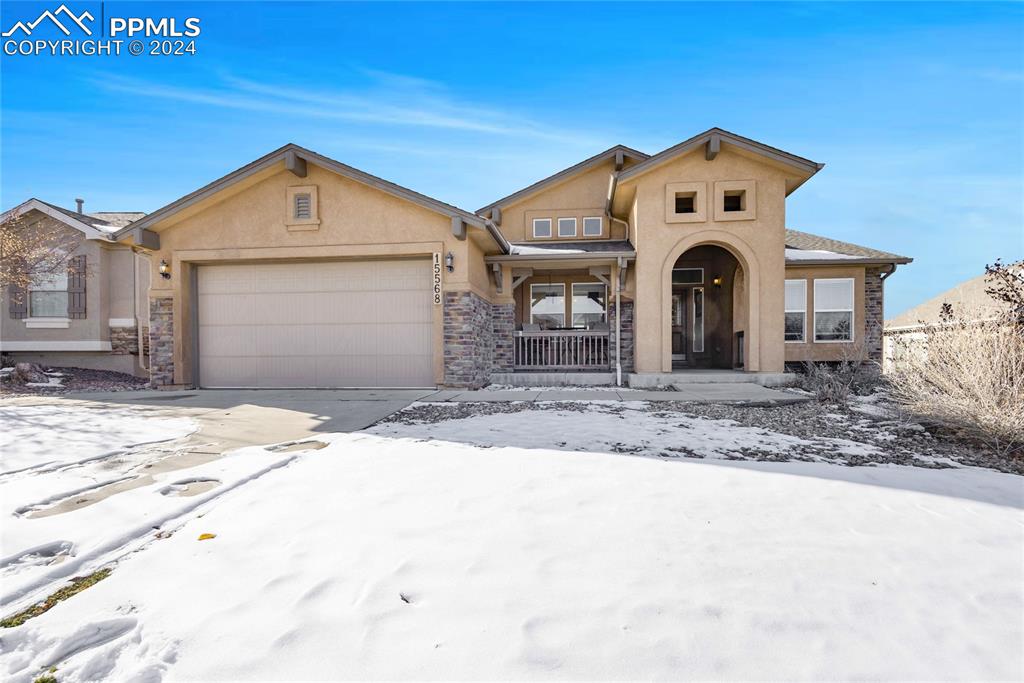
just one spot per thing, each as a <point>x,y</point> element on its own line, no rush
<point>278,156</point>
<point>590,255</point>
<point>564,174</point>
<point>898,261</point>
<point>686,146</point>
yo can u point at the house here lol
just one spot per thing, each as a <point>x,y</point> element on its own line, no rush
<point>906,333</point>
<point>92,316</point>
<point>300,271</point>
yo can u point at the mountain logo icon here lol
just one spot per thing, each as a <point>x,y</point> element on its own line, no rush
<point>69,16</point>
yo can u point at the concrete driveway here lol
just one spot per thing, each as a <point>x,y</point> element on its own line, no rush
<point>235,418</point>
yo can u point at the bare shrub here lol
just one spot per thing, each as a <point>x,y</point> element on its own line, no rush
<point>836,381</point>
<point>966,372</point>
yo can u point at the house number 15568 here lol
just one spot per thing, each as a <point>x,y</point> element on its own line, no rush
<point>437,279</point>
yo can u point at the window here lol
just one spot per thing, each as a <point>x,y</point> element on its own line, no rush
<point>734,200</point>
<point>796,310</point>
<point>589,305</point>
<point>833,310</point>
<point>542,227</point>
<point>303,206</point>
<point>698,320</point>
<point>566,227</point>
<point>685,202</point>
<point>687,276</point>
<point>593,226</point>
<point>547,305</point>
<point>48,295</point>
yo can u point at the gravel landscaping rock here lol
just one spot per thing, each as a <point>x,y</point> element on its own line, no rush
<point>884,437</point>
<point>74,379</point>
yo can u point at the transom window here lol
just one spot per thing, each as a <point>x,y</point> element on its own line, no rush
<point>589,305</point>
<point>796,310</point>
<point>833,310</point>
<point>687,276</point>
<point>542,227</point>
<point>566,227</point>
<point>593,226</point>
<point>48,295</point>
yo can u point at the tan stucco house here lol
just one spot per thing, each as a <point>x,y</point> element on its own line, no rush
<point>94,315</point>
<point>299,271</point>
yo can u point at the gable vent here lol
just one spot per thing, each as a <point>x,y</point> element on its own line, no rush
<point>303,205</point>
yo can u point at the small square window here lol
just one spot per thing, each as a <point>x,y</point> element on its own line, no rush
<point>686,202</point>
<point>735,200</point>
<point>542,227</point>
<point>593,226</point>
<point>566,227</point>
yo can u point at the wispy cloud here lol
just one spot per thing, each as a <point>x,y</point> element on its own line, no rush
<point>387,100</point>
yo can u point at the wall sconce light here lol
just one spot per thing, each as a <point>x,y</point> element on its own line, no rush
<point>717,282</point>
<point>449,261</point>
<point>165,270</point>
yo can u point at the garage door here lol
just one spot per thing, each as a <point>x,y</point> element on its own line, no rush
<point>337,324</point>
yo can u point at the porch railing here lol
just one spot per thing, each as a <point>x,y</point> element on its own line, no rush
<point>561,350</point>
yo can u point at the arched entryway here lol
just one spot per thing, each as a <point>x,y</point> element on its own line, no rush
<point>707,309</point>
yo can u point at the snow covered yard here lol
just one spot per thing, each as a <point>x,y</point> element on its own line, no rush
<point>512,543</point>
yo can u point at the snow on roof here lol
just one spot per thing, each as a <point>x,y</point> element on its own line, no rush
<point>816,255</point>
<point>523,250</point>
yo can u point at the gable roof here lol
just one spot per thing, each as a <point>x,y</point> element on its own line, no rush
<point>278,156</point>
<point>117,219</point>
<point>805,165</point>
<point>564,174</point>
<point>91,226</point>
<point>805,248</point>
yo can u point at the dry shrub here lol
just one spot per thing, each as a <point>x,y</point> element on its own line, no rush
<point>967,376</point>
<point>835,382</point>
<point>966,372</point>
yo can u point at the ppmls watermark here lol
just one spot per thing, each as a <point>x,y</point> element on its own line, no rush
<point>156,36</point>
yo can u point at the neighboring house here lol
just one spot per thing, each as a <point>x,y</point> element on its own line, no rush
<point>905,333</point>
<point>89,316</point>
<point>299,271</point>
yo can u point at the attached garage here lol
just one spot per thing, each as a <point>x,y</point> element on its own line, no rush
<point>316,324</point>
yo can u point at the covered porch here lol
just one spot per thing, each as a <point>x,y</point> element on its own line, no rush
<point>565,301</point>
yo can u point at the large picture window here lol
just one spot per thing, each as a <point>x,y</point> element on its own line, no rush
<point>589,305</point>
<point>48,295</point>
<point>833,310</point>
<point>547,306</point>
<point>796,310</point>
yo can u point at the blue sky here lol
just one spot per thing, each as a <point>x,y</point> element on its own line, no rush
<point>916,109</point>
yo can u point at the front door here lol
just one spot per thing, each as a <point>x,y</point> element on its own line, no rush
<point>679,301</point>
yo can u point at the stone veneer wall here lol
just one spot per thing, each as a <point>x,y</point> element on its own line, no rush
<point>124,341</point>
<point>874,313</point>
<point>468,340</point>
<point>626,335</point>
<point>503,326</point>
<point>161,341</point>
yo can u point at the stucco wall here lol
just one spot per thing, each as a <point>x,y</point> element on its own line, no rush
<point>758,245</point>
<point>582,194</point>
<point>356,222</point>
<point>831,351</point>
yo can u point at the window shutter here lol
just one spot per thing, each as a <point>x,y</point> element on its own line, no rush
<point>17,301</point>
<point>76,287</point>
